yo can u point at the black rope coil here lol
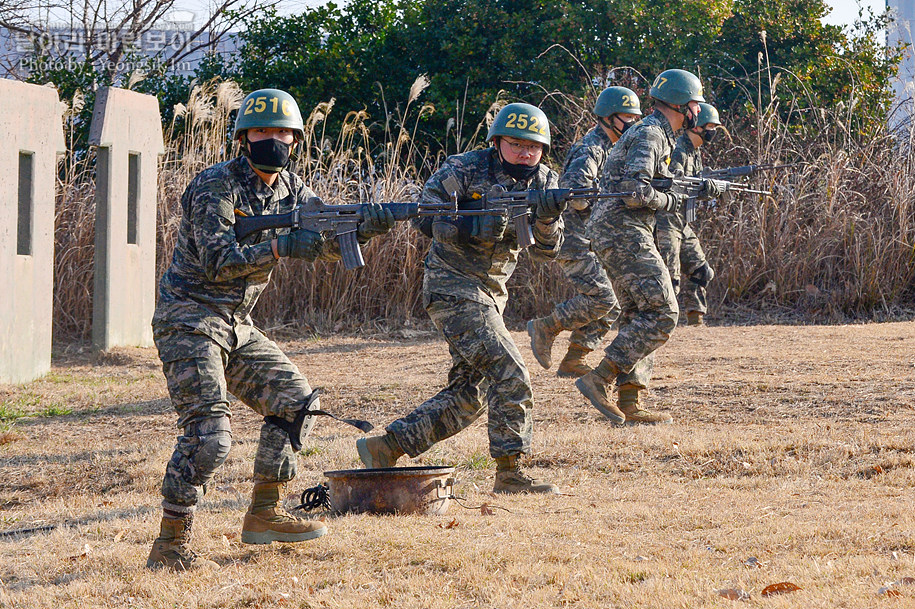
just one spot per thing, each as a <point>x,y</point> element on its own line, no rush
<point>314,498</point>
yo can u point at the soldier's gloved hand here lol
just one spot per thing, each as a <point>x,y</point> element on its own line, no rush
<point>580,204</point>
<point>490,229</point>
<point>445,231</point>
<point>548,204</point>
<point>301,244</point>
<point>675,200</point>
<point>374,220</point>
<point>712,188</point>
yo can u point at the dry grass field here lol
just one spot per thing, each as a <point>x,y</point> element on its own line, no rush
<point>792,459</point>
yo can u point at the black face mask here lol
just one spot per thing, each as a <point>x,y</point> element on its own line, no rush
<point>519,171</point>
<point>626,125</point>
<point>270,155</point>
<point>708,135</point>
<point>689,121</point>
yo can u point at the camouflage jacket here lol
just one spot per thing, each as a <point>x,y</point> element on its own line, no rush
<point>584,164</point>
<point>466,266</point>
<point>214,281</point>
<point>686,159</point>
<point>642,153</point>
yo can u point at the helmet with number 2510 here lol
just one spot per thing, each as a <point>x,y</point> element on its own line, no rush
<point>269,108</point>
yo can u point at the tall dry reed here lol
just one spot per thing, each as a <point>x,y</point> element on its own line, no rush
<point>834,242</point>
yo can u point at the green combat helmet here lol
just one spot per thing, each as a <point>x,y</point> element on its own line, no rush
<point>522,121</point>
<point>708,115</point>
<point>269,108</point>
<point>616,100</point>
<point>677,87</point>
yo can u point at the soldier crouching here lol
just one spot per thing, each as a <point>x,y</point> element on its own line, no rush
<point>207,341</point>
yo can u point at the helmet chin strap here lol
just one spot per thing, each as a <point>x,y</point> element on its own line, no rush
<point>689,121</point>
<point>609,125</point>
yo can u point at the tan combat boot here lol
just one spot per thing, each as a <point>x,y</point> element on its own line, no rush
<point>635,414</point>
<point>573,364</point>
<point>511,479</point>
<point>695,318</point>
<point>267,521</point>
<point>172,548</point>
<point>594,385</point>
<point>543,332</point>
<point>379,451</point>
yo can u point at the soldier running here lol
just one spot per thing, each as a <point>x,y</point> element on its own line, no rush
<point>464,292</point>
<point>590,313</point>
<point>676,239</point>
<point>621,230</point>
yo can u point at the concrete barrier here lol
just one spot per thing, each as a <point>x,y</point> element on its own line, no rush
<point>127,129</point>
<point>31,130</point>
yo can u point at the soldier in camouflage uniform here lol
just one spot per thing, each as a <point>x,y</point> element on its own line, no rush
<point>621,230</point>
<point>676,239</point>
<point>591,312</point>
<point>464,292</point>
<point>208,344</point>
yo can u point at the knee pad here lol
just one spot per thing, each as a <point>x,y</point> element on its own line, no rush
<point>209,443</point>
<point>703,275</point>
<point>299,428</point>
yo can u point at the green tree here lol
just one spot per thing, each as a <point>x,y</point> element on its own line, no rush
<point>820,65</point>
<point>547,52</point>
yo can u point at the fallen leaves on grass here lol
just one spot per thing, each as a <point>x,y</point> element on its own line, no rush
<point>734,594</point>
<point>454,523</point>
<point>7,436</point>
<point>779,588</point>
<point>485,510</point>
<point>890,589</point>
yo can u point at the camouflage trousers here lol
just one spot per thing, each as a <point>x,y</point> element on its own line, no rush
<point>683,254</point>
<point>484,360</point>
<point>591,312</point>
<point>642,284</point>
<point>259,374</point>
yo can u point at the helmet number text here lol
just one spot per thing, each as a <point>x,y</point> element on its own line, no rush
<point>628,102</point>
<point>259,104</point>
<point>660,81</point>
<point>524,122</point>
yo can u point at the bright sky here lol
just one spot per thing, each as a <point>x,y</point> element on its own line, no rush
<point>844,12</point>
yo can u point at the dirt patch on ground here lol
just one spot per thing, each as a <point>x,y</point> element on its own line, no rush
<point>791,458</point>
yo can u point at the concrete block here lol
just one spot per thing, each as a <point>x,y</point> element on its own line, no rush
<point>127,129</point>
<point>31,130</point>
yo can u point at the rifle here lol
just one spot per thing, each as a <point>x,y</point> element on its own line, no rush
<point>515,205</point>
<point>743,170</point>
<point>341,221</point>
<point>691,186</point>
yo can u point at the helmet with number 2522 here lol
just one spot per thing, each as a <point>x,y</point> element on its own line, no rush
<point>522,121</point>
